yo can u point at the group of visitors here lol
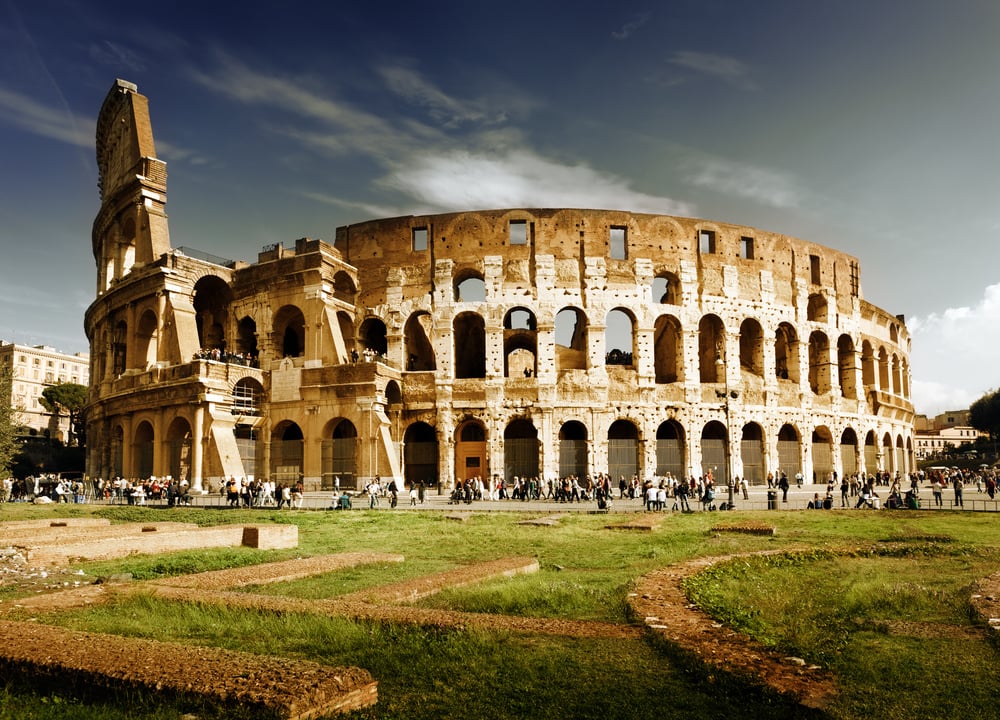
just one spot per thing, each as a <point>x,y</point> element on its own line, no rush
<point>220,355</point>
<point>258,493</point>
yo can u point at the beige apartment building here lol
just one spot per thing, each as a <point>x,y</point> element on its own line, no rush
<point>34,368</point>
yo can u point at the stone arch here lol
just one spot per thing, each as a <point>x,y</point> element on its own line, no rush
<point>899,458</point>
<point>289,331</point>
<point>883,370</point>
<point>469,286</point>
<point>393,393</point>
<point>420,454</point>
<point>287,446</point>
<point>871,452</point>
<point>346,324</point>
<point>715,451</point>
<point>469,333</point>
<point>212,297</point>
<point>146,340</point>
<point>666,288</point>
<point>246,339</point>
<point>888,456</point>
<point>619,337</point>
<point>819,363</point>
<point>822,454</point>
<point>573,449</point>
<point>867,364</point>
<point>670,450</point>
<point>339,454</point>
<point>520,343</point>
<point>143,439</point>
<point>786,353</point>
<point>179,448</point>
<point>846,367</point>
<point>416,338</point>
<point>571,328</point>
<point>752,347</point>
<point>789,451</point>
<point>520,449</point>
<point>711,349</point>
<point>752,453</point>
<point>848,452</point>
<point>344,287</point>
<point>668,350</point>
<point>119,348</point>
<point>897,380</point>
<point>623,449</point>
<point>248,397</point>
<point>374,336</point>
<point>816,309</point>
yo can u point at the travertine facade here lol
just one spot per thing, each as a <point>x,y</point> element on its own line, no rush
<point>504,342</point>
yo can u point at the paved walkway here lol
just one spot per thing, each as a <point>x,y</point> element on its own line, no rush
<point>798,499</point>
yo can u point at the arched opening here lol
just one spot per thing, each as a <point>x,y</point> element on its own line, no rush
<point>339,455</point>
<point>668,345</point>
<point>715,452</point>
<point>573,455</point>
<point>117,452</point>
<point>290,331</point>
<point>373,336</point>
<point>286,453</point>
<point>819,363</point>
<point>897,381</point>
<point>344,288</point>
<point>142,451</point>
<point>119,348</point>
<point>470,451</point>
<point>752,453</point>
<point>711,349</point>
<point>871,453</point>
<point>520,343</point>
<point>846,367</point>
<point>666,289</point>
<point>786,353</point>
<point>416,338</point>
<point>822,454</point>
<point>752,347</point>
<point>246,340</point>
<point>900,459</point>
<point>848,452</point>
<point>619,338</point>
<point>816,310</point>
<point>888,456</point>
<point>212,297</point>
<point>670,450</point>
<point>420,455</point>
<point>520,450</point>
<point>470,287</point>
<point>883,371</point>
<point>469,331</point>
<point>179,443</point>
<point>867,365</point>
<point>146,340</point>
<point>248,398</point>
<point>571,339</point>
<point>623,449</point>
<point>789,451</point>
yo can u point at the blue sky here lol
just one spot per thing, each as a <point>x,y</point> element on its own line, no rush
<point>867,126</point>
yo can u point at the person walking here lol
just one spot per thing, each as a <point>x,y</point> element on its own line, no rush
<point>958,485</point>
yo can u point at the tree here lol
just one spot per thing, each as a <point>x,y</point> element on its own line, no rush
<point>984,414</point>
<point>68,398</point>
<point>8,422</point>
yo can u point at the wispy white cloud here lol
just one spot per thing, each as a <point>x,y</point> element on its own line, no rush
<point>726,68</point>
<point>435,168</point>
<point>763,185</point>
<point>956,354</point>
<point>518,178</point>
<point>45,121</point>
<point>108,52</point>
<point>631,26</point>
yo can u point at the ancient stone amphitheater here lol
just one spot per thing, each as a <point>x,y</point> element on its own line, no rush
<point>492,344</point>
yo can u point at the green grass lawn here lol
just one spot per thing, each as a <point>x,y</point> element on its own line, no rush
<point>882,599</point>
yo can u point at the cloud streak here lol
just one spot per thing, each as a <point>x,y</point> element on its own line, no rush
<point>723,67</point>
<point>765,186</point>
<point>33,117</point>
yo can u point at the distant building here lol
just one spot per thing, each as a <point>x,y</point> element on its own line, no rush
<point>932,443</point>
<point>34,368</point>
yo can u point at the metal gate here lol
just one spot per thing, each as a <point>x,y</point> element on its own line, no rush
<point>713,457</point>
<point>871,459</point>
<point>848,460</point>
<point>788,458</point>
<point>669,458</point>
<point>286,461</point>
<point>623,457</point>
<point>338,461</point>
<point>520,457</point>
<point>180,458</point>
<point>421,462</point>
<point>822,455</point>
<point>752,454</point>
<point>573,458</point>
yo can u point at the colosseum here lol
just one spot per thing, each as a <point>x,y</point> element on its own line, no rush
<point>496,343</point>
